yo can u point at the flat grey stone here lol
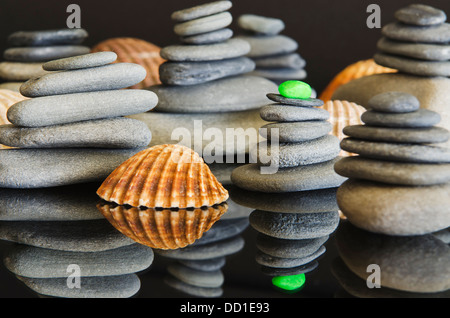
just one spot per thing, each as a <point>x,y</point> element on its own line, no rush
<point>278,262</point>
<point>104,133</point>
<point>209,279</point>
<point>295,132</point>
<point>394,102</point>
<point>420,14</point>
<point>209,37</point>
<point>413,66</point>
<point>242,123</point>
<point>430,34</point>
<point>429,52</point>
<point>295,226</point>
<point>322,200</point>
<point>41,168</point>
<point>263,46</point>
<point>70,108</point>
<point>398,135</point>
<point>418,174</point>
<point>20,72</point>
<point>206,265</point>
<point>225,95</point>
<point>189,73</point>
<point>288,155</point>
<point>80,62</point>
<point>123,286</point>
<point>69,203</point>
<point>415,266</point>
<point>43,53</point>
<point>302,178</point>
<point>75,236</point>
<point>201,10</point>
<point>209,52</point>
<point>283,248</point>
<point>310,102</point>
<point>302,269</point>
<point>260,25</point>
<point>47,37</point>
<point>418,210</point>
<point>281,113</point>
<point>421,118</point>
<point>204,24</point>
<point>206,251</point>
<point>290,61</point>
<point>36,262</point>
<point>281,74</point>
<point>223,229</point>
<point>204,292</point>
<point>102,78</point>
<point>397,152</point>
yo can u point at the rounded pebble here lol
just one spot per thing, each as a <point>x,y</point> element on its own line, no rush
<point>80,62</point>
<point>394,102</point>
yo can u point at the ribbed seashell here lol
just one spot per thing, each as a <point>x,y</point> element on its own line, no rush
<point>132,50</point>
<point>342,114</point>
<point>351,72</point>
<point>164,176</point>
<point>164,228</point>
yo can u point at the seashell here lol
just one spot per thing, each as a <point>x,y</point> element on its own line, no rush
<point>132,50</point>
<point>351,72</point>
<point>7,99</point>
<point>162,228</point>
<point>163,176</point>
<point>342,114</point>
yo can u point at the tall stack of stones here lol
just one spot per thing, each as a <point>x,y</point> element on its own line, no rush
<point>30,49</point>
<point>204,79</point>
<point>73,129</point>
<point>273,53</point>
<point>295,207</point>
<point>417,43</point>
<point>400,182</point>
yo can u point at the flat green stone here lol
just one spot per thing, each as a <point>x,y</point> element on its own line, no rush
<point>295,89</point>
<point>291,282</point>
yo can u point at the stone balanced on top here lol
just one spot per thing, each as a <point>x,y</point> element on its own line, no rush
<point>400,182</point>
<point>204,77</point>
<point>72,129</point>
<point>296,207</point>
<point>274,54</point>
<point>30,49</point>
<point>418,43</point>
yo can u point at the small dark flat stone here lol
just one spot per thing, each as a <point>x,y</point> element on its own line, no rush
<point>310,102</point>
<point>43,53</point>
<point>420,14</point>
<point>48,37</point>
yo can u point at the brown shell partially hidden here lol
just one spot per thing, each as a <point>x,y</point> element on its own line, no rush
<point>132,50</point>
<point>351,72</point>
<point>343,114</point>
<point>162,229</point>
<point>164,176</point>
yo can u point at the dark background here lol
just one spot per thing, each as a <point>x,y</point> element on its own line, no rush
<point>331,33</point>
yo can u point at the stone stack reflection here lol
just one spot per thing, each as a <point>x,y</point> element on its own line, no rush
<point>60,239</point>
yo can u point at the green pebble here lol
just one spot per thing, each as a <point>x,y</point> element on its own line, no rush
<point>295,89</point>
<point>292,282</point>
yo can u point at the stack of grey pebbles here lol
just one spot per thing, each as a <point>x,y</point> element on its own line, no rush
<point>274,54</point>
<point>295,206</point>
<point>72,129</point>
<point>30,49</point>
<point>417,43</point>
<point>205,80</point>
<point>400,182</point>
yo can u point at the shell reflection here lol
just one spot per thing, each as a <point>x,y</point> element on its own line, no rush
<point>162,228</point>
